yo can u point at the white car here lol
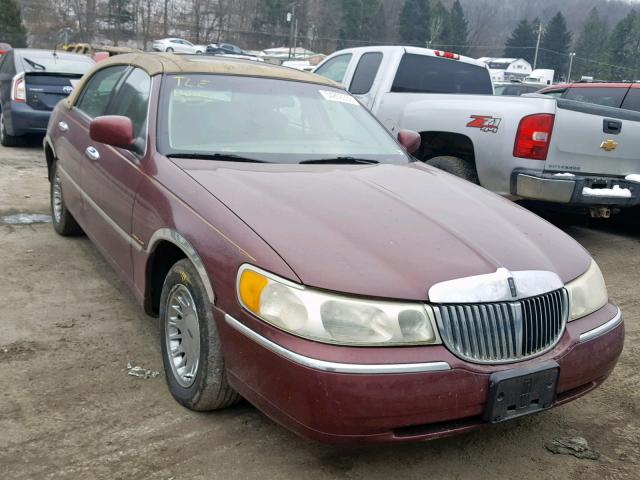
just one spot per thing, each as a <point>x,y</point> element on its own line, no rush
<point>177,45</point>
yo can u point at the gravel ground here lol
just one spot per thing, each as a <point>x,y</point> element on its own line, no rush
<point>68,409</point>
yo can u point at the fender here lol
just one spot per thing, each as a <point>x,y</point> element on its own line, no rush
<point>183,244</point>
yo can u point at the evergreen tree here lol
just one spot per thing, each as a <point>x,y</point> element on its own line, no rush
<point>438,26</point>
<point>522,42</point>
<point>625,48</point>
<point>11,28</point>
<point>457,29</point>
<point>357,17</point>
<point>270,14</point>
<point>555,45</point>
<point>414,22</point>
<point>591,47</point>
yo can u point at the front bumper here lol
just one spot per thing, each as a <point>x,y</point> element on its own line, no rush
<point>371,395</point>
<point>21,119</point>
<point>537,185</point>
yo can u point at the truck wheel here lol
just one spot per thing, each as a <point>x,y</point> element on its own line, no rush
<point>63,222</point>
<point>456,166</point>
<point>191,348</point>
<point>5,139</point>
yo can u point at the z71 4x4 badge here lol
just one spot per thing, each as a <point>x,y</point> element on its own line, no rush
<point>485,123</point>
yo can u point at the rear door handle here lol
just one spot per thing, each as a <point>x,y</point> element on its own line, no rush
<point>611,126</point>
<point>92,153</point>
<point>63,126</point>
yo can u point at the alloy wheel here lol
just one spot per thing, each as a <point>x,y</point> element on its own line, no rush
<point>56,200</point>
<point>182,335</point>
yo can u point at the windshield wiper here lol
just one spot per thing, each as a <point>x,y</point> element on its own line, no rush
<point>215,156</point>
<point>342,161</point>
<point>35,65</point>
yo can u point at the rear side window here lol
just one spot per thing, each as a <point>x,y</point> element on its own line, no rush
<point>97,92</point>
<point>607,96</point>
<point>554,93</point>
<point>426,74</point>
<point>365,73</point>
<point>335,68</point>
<point>132,100</point>
<point>632,100</point>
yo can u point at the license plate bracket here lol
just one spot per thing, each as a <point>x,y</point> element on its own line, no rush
<point>518,392</point>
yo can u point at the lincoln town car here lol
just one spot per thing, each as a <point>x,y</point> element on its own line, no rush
<point>298,257</point>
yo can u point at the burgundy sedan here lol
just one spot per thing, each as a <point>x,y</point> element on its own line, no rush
<point>296,255</point>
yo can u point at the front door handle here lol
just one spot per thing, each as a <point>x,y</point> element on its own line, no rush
<point>63,126</point>
<point>92,153</point>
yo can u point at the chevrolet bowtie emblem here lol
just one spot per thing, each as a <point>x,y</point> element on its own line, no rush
<point>609,145</point>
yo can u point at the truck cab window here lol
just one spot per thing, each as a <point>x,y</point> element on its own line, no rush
<point>335,68</point>
<point>365,73</point>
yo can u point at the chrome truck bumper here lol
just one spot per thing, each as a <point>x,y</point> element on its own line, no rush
<point>578,190</point>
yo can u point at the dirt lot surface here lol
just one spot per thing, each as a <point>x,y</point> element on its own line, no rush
<point>69,410</point>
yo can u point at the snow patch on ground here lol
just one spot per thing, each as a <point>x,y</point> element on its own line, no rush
<point>564,174</point>
<point>25,219</point>
<point>633,177</point>
<point>616,191</point>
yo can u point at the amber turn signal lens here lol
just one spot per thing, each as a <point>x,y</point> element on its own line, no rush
<point>251,286</point>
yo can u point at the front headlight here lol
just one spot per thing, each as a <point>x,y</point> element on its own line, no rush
<point>333,318</point>
<point>587,293</point>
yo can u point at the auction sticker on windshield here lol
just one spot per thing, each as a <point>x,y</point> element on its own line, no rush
<point>338,97</point>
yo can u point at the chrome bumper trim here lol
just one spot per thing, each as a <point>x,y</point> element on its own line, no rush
<point>334,367</point>
<point>602,329</point>
<point>540,188</point>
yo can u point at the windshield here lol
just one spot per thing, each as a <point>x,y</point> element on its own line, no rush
<point>268,120</point>
<point>60,63</point>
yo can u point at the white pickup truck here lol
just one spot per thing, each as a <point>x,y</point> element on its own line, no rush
<point>532,147</point>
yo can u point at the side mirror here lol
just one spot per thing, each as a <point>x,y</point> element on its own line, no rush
<point>113,130</point>
<point>410,140</point>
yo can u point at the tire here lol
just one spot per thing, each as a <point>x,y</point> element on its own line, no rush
<point>200,385</point>
<point>198,52</point>
<point>7,140</point>
<point>63,222</point>
<point>455,166</point>
<point>169,50</point>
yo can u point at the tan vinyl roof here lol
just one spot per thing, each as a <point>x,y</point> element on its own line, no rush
<point>158,63</point>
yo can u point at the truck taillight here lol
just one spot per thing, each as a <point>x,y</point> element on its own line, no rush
<point>533,136</point>
<point>18,89</point>
<point>452,56</point>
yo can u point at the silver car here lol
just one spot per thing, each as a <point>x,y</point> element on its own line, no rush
<point>177,45</point>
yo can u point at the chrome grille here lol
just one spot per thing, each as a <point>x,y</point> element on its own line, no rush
<point>504,331</point>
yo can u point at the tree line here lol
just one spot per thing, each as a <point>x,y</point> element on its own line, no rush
<point>603,48</point>
<point>602,51</point>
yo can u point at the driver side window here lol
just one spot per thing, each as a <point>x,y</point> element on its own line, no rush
<point>336,68</point>
<point>132,101</point>
<point>98,91</point>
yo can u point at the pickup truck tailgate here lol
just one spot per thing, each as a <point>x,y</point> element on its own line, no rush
<point>593,139</point>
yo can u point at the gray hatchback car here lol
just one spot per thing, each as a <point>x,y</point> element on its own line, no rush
<point>32,82</point>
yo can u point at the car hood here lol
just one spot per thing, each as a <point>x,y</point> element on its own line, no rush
<point>386,230</point>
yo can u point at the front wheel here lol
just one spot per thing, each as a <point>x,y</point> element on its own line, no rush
<point>63,222</point>
<point>455,166</point>
<point>191,348</point>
